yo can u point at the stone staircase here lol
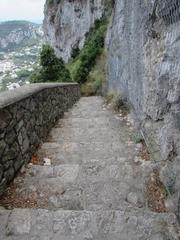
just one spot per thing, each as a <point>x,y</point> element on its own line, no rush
<point>93,188</point>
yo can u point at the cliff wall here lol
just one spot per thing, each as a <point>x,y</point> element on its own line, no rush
<point>143,43</point>
<point>143,65</point>
<point>67,22</point>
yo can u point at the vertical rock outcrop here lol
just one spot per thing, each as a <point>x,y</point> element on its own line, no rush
<point>67,22</point>
<point>143,45</point>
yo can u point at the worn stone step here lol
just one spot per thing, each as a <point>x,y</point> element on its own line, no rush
<point>78,134</point>
<point>87,113</point>
<point>80,152</point>
<point>84,123</point>
<point>69,146</point>
<point>95,196</point>
<point>26,224</point>
<point>90,186</point>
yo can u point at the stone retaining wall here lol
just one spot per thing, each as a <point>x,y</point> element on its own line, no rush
<point>26,116</point>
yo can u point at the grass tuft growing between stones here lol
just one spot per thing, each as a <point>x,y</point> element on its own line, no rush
<point>137,138</point>
<point>156,193</point>
<point>109,98</point>
<point>118,103</point>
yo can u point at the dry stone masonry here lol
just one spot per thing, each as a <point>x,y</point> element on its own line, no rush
<point>26,116</point>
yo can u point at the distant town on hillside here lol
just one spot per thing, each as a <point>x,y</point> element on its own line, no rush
<point>20,44</point>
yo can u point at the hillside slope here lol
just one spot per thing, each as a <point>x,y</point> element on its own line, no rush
<point>15,34</point>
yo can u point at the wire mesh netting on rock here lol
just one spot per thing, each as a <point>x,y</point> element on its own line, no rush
<point>169,10</point>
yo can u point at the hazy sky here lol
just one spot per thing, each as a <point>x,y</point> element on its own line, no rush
<point>21,10</point>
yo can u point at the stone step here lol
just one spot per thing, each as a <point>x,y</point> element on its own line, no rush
<point>84,123</point>
<point>87,112</point>
<point>69,146</point>
<point>40,224</point>
<point>82,152</point>
<point>90,186</point>
<point>82,135</point>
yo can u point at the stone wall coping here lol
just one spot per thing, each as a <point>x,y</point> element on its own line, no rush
<point>12,96</point>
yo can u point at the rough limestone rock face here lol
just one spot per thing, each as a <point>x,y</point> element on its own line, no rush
<point>143,43</point>
<point>143,65</point>
<point>66,23</point>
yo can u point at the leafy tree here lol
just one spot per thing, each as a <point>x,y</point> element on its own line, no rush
<point>52,69</point>
<point>23,74</point>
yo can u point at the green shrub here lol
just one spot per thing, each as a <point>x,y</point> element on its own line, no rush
<point>52,69</point>
<point>51,2</point>
<point>119,103</point>
<point>75,52</point>
<point>109,5</point>
<point>109,98</point>
<point>91,88</point>
<point>96,78</point>
<point>23,74</point>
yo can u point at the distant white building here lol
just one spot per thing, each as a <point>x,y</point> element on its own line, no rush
<point>6,66</point>
<point>12,86</point>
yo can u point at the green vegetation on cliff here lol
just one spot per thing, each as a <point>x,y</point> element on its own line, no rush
<point>83,63</point>
<point>83,67</point>
<point>96,78</point>
<point>51,2</point>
